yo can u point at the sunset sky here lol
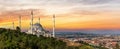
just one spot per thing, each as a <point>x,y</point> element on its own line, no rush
<point>71,15</point>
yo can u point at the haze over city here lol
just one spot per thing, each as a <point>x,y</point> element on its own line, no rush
<point>71,15</point>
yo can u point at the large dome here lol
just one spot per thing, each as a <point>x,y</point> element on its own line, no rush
<point>38,26</point>
<point>37,29</point>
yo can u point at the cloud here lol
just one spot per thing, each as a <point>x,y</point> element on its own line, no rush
<point>24,13</point>
<point>55,2</point>
<point>93,2</point>
<point>59,4</point>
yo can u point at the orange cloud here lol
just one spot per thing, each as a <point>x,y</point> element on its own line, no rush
<point>71,20</point>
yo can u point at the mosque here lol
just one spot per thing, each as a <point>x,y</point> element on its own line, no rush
<point>37,29</point>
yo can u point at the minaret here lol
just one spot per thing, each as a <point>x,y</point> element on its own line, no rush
<point>53,25</point>
<point>20,21</point>
<point>32,22</point>
<point>39,20</point>
<point>13,24</point>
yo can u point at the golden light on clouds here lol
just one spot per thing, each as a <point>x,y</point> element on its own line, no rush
<point>69,20</point>
<point>70,14</point>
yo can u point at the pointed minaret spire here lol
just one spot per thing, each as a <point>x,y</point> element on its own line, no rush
<point>32,22</point>
<point>39,20</point>
<point>13,24</point>
<point>54,25</point>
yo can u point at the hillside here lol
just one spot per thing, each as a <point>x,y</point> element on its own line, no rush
<point>14,39</point>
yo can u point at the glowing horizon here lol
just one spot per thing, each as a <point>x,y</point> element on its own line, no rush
<point>70,14</point>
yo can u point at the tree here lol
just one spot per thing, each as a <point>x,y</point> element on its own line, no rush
<point>14,39</point>
<point>86,47</point>
<point>117,46</point>
<point>18,29</point>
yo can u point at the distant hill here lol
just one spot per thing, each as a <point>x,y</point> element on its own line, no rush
<point>102,32</point>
